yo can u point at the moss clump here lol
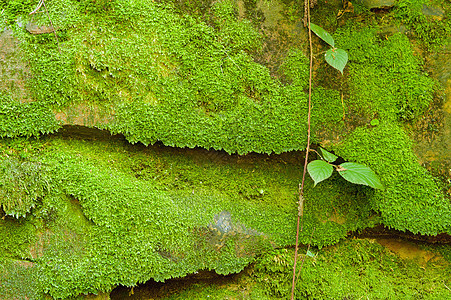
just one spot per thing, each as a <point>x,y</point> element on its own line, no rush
<point>17,237</point>
<point>23,177</point>
<point>210,92</point>
<point>386,78</point>
<point>412,199</point>
<point>351,269</point>
<point>295,68</point>
<point>19,280</point>
<point>22,184</point>
<point>387,83</point>
<point>25,119</point>
<point>13,8</point>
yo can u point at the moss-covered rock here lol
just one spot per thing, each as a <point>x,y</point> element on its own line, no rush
<point>120,214</point>
<point>412,199</point>
<point>353,268</point>
<point>162,76</point>
<point>96,212</point>
<point>387,84</point>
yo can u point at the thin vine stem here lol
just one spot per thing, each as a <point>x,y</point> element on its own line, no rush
<point>301,186</point>
<point>42,3</point>
<point>306,253</point>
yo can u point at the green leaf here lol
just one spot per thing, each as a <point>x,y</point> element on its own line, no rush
<point>323,34</point>
<point>337,58</point>
<point>374,122</point>
<point>328,156</point>
<point>360,174</point>
<point>319,170</point>
<point>310,253</point>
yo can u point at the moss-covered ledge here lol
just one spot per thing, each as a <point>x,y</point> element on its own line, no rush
<point>144,70</point>
<point>107,213</point>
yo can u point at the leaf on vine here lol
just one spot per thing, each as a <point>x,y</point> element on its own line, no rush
<point>323,34</point>
<point>337,58</point>
<point>328,156</point>
<point>319,170</point>
<point>360,174</point>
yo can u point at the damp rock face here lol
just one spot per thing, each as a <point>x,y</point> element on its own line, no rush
<point>215,101</point>
<point>433,139</point>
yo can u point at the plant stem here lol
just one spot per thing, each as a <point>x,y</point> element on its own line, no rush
<point>53,27</point>
<point>301,186</point>
<point>306,252</point>
<point>41,3</point>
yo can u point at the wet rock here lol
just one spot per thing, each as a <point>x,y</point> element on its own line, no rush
<point>392,29</point>
<point>377,3</point>
<point>14,70</point>
<point>434,12</point>
<point>35,29</point>
<point>223,222</point>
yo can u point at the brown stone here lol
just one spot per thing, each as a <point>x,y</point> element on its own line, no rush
<point>35,29</point>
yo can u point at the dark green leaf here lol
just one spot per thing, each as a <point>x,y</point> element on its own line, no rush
<point>323,34</point>
<point>337,58</point>
<point>319,170</point>
<point>360,174</point>
<point>328,156</point>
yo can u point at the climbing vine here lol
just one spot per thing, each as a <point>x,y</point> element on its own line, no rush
<point>320,170</point>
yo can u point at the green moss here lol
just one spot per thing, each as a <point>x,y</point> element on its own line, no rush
<point>126,213</point>
<point>352,269</point>
<point>356,268</point>
<point>25,119</point>
<point>387,82</point>
<point>49,61</point>
<point>204,291</point>
<point>98,6</point>
<point>133,213</point>
<point>445,251</point>
<point>228,101</point>
<point>22,184</point>
<point>117,214</point>
<point>431,31</point>
<point>412,199</point>
<point>17,235</point>
<point>295,68</point>
<point>17,261</point>
<point>19,280</point>
<point>167,77</point>
<point>13,8</point>
<point>386,78</point>
<point>327,109</point>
